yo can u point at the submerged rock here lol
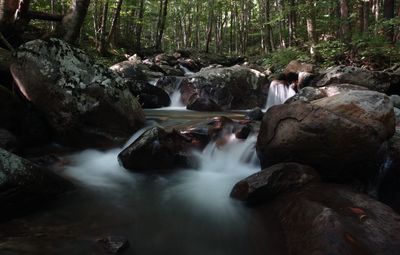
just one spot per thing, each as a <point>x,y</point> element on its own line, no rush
<point>273,181</point>
<point>255,114</point>
<point>24,186</point>
<point>155,149</point>
<point>85,104</point>
<point>114,244</point>
<point>203,104</point>
<point>340,136</point>
<point>330,219</point>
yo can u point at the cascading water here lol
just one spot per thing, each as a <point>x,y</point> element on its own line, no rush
<point>186,71</point>
<point>176,95</point>
<point>186,212</point>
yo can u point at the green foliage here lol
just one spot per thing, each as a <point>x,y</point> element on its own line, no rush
<point>280,58</point>
<point>331,52</point>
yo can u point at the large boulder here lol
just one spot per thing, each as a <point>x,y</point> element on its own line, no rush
<point>131,70</point>
<point>24,185</point>
<point>85,104</point>
<point>8,141</point>
<point>340,136</point>
<point>234,87</point>
<point>296,66</point>
<point>273,181</point>
<point>155,149</point>
<point>324,219</point>
<point>373,80</point>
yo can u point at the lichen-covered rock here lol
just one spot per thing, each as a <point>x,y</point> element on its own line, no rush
<point>85,104</point>
<point>24,185</point>
<point>322,219</point>
<point>309,94</point>
<point>373,80</point>
<point>131,70</point>
<point>234,87</point>
<point>273,181</point>
<point>340,136</point>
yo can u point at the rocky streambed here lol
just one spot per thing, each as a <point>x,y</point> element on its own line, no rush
<point>316,175</point>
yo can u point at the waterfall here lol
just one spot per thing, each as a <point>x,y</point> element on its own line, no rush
<point>186,71</point>
<point>176,95</point>
<point>278,93</point>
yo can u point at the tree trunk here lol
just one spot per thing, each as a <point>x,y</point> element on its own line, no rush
<point>114,22</point>
<point>161,25</point>
<point>311,27</point>
<point>139,27</point>
<point>345,25</point>
<point>366,16</point>
<point>210,25</point>
<point>102,49</point>
<point>388,14</point>
<point>71,24</point>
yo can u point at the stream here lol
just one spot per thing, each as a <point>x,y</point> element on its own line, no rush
<point>188,211</point>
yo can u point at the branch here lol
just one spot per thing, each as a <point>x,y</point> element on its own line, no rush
<point>44,16</point>
<point>6,43</point>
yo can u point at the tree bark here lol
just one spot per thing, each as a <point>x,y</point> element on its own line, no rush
<point>388,14</point>
<point>71,24</point>
<point>345,25</point>
<point>102,49</point>
<point>162,21</point>
<point>114,22</point>
<point>311,27</point>
<point>139,27</point>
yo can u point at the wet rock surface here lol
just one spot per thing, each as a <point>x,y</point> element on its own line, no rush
<point>25,186</point>
<point>273,181</point>
<point>373,80</point>
<point>114,244</point>
<point>340,136</point>
<point>84,103</point>
<point>332,219</point>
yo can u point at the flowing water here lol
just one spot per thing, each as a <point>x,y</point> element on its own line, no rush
<point>188,211</point>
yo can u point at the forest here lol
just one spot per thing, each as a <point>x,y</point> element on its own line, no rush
<point>353,32</point>
<point>210,127</point>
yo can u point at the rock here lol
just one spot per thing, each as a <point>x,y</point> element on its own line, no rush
<point>387,182</point>
<point>8,141</point>
<point>397,115</point>
<point>309,94</point>
<point>330,219</point>
<point>203,104</point>
<point>85,104</point>
<point>171,71</point>
<point>24,186</point>
<point>165,59</point>
<point>131,70</point>
<point>189,64</point>
<point>255,114</point>
<point>395,100</point>
<point>231,88</point>
<point>273,181</point>
<point>149,96</point>
<point>155,149</point>
<point>114,244</point>
<point>373,80</point>
<point>296,66</point>
<point>22,120</point>
<point>170,84</point>
<point>340,136</point>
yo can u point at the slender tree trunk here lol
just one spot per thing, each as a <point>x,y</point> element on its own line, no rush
<point>366,16</point>
<point>345,25</point>
<point>210,25</point>
<point>139,27</point>
<point>114,23</point>
<point>102,49</point>
<point>162,20</point>
<point>311,27</point>
<point>388,14</point>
